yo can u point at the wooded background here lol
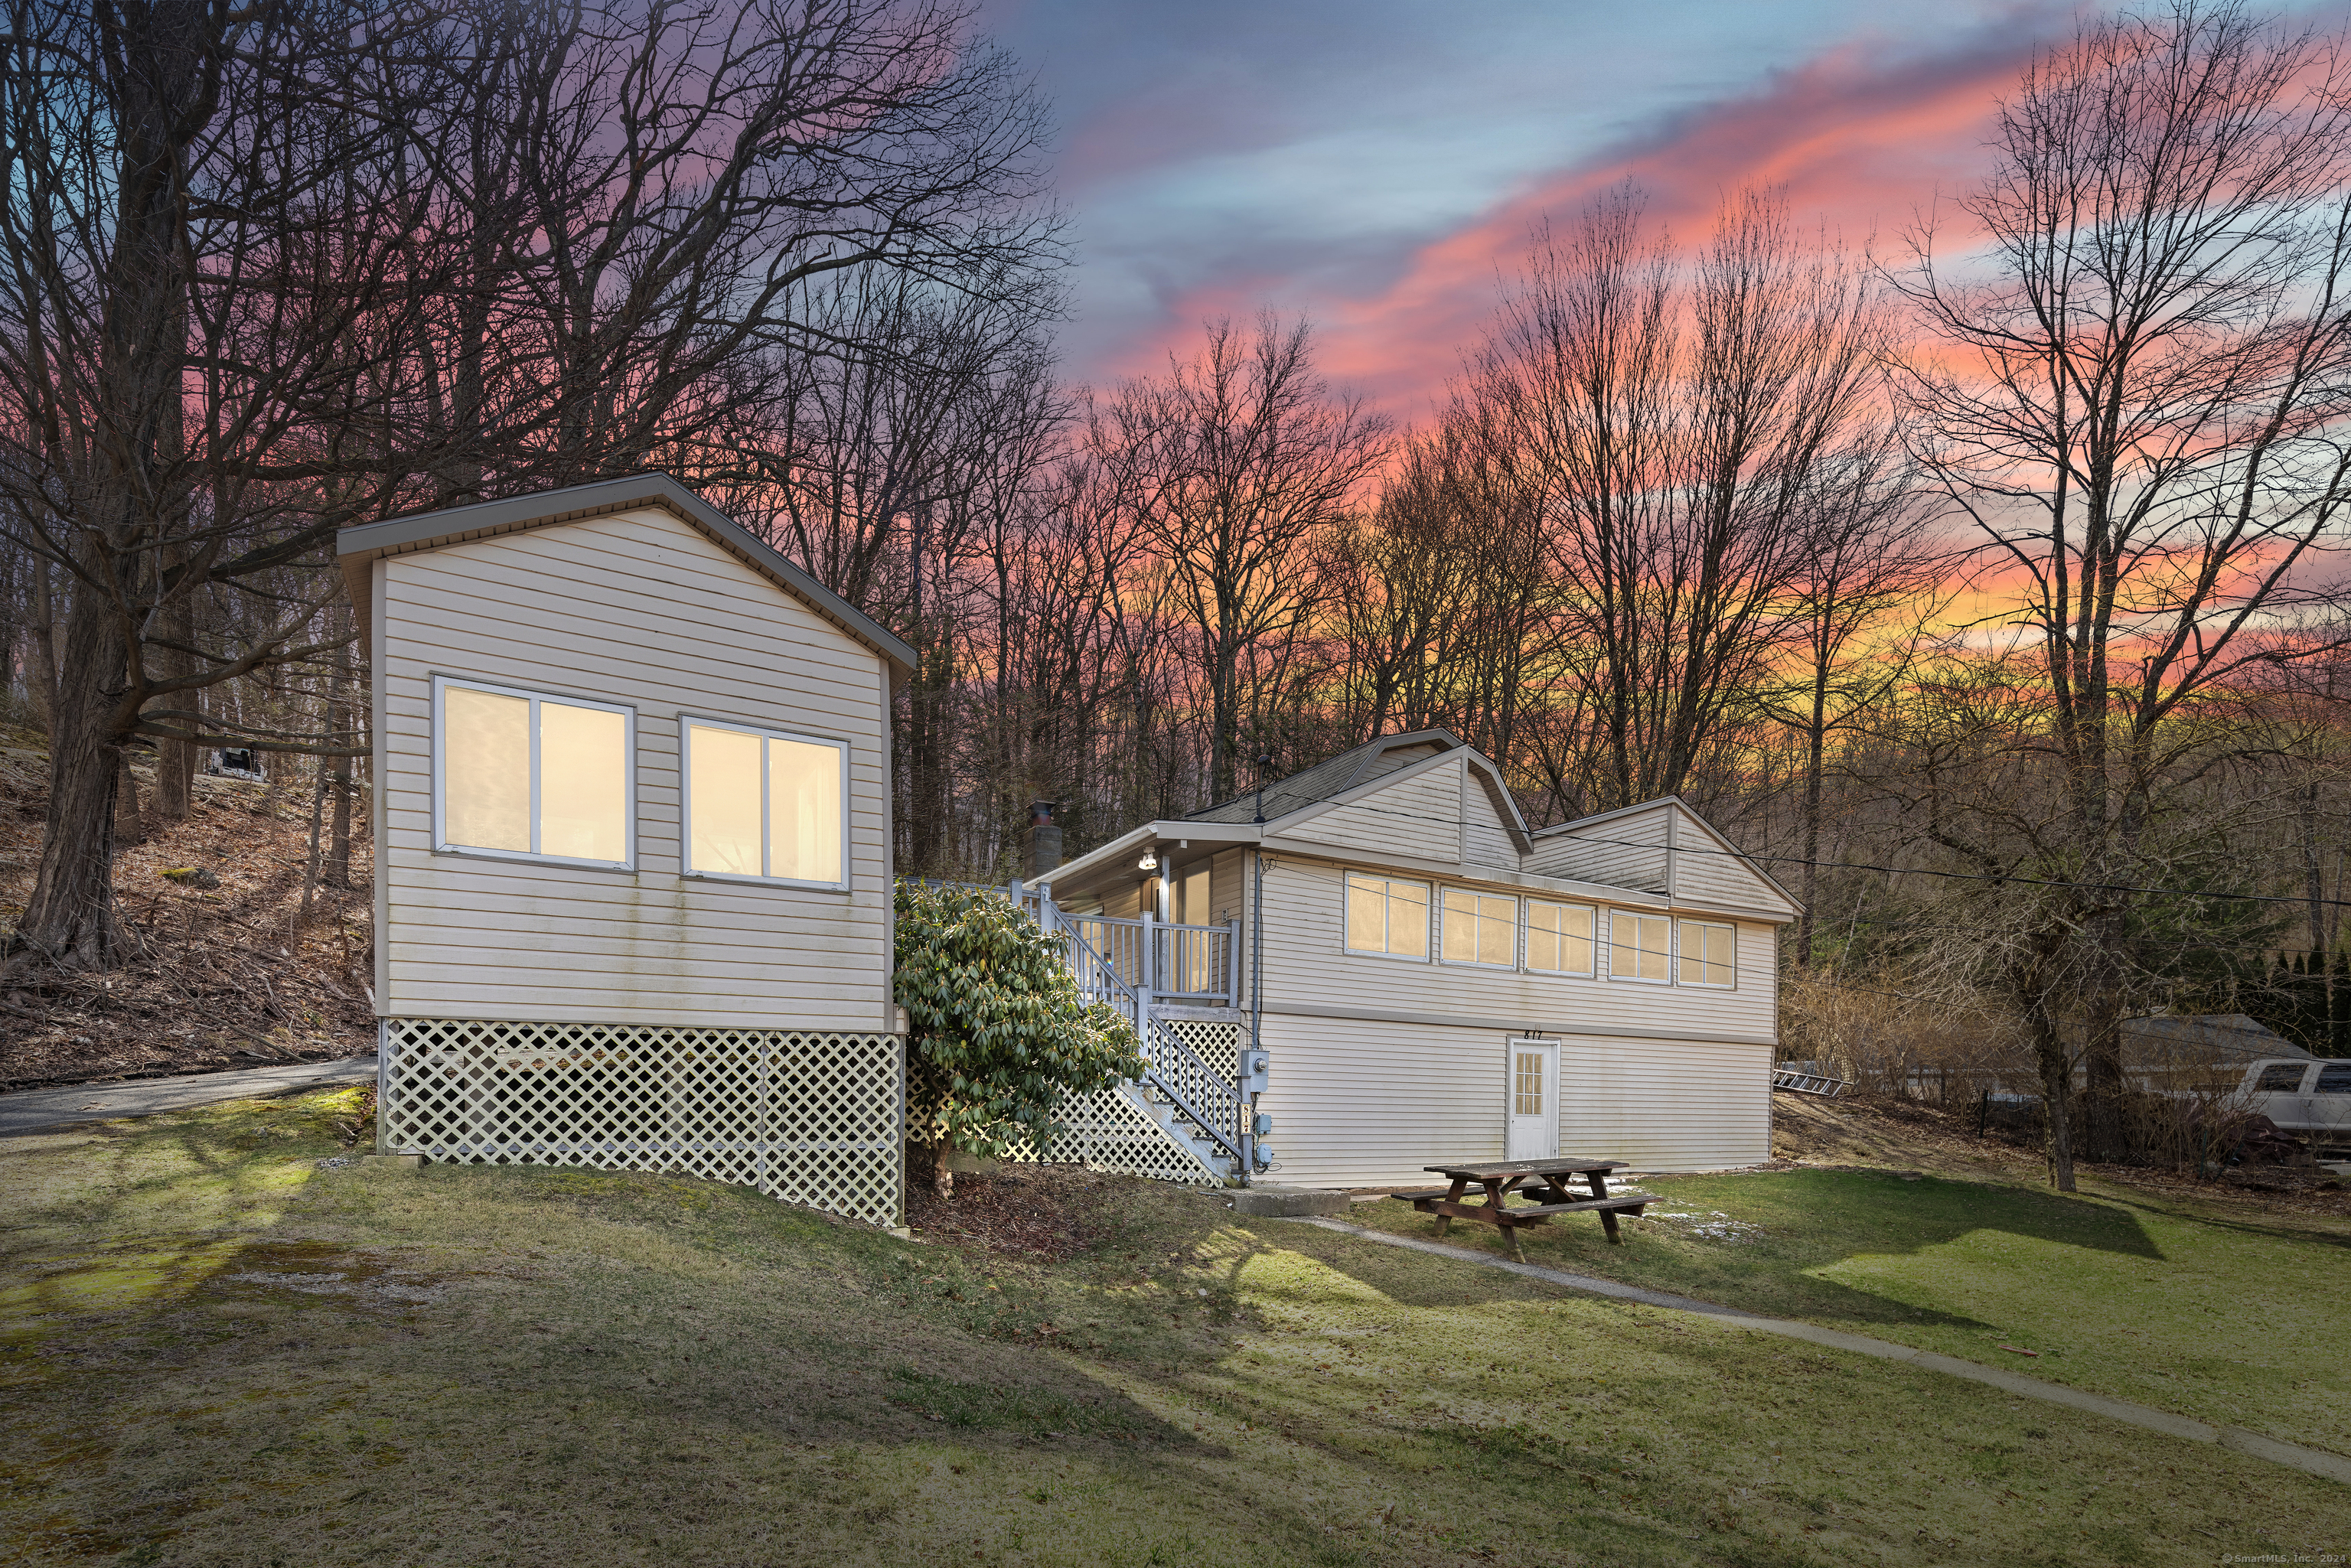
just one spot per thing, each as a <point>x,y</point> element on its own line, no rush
<point>1986,587</point>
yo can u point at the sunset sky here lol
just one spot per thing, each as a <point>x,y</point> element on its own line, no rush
<point>1374,164</point>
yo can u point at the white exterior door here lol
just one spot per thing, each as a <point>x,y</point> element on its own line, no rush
<point>1533,1103</point>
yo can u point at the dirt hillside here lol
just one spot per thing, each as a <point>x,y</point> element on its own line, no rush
<point>214,976</point>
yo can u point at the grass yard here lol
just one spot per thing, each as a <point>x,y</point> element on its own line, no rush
<point>218,1352</point>
<point>2219,1311</point>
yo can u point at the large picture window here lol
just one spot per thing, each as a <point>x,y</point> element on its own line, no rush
<point>522,774</point>
<point>1478,928</point>
<point>1558,939</point>
<point>1385,915</point>
<point>1709,954</point>
<point>1639,947</point>
<point>764,805</point>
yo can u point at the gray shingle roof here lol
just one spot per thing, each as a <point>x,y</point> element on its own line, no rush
<point>1329,778</point>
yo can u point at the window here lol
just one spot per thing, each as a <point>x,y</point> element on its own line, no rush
<point>1480,929</point>
<point>525,775</point>
<point>1558,939</point>
<point>1385,915</point>
<point>764,804</point>
<point>1709,954</point>
<point>2333,1080</point>
<point>2283,1078</point>
<point>1637,948</point>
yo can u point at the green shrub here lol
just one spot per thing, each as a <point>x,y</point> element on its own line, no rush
<point>1001,1038</point>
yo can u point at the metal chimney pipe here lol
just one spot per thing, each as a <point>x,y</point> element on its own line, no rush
<point>1044,840</point>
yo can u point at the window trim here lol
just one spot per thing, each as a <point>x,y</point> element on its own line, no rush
<point>535,695</point>
<point>1526,937</point>
<point>686,726</point>
<point>1681,948</point>
<point>1672,948</point>
<point>1428,913</point>
<point>1518,929</point>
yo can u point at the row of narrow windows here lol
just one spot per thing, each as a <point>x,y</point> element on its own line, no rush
<point>1398,918</point>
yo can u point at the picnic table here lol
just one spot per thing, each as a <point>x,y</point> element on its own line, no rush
<point>1548,1182</point>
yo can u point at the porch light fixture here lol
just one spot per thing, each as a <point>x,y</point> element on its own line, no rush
<point>1150,860</point>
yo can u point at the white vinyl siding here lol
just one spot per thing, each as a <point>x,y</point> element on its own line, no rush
<point>1478,928</point>
<point>1626,851</point>
<point>1387,916</point>
<point>1560,938</point>
<point>1709,954</point>
<point>524,773</point>
<point>1416,814</point>
<point>1706,872</point>
<point>1640,947</point>
<point>1365,1104</point>
<point>766,804</point>
<point>642,609</point>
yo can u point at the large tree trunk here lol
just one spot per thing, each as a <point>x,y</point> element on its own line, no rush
<point>2029,984</point>
<point>70,918</point>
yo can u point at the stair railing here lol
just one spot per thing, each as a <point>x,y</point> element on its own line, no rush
<point>1214,1102</point>
<point>1209,1099</point>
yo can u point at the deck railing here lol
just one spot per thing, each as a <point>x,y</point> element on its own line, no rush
<point>1198,965</point>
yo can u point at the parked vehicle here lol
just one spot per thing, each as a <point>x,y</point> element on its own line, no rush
<point>2306,1098</point>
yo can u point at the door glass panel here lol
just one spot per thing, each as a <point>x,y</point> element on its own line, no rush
<point>1527,1100</point>
<point>583,777</point>
<point>485,769</point>
<point>2283,1078</point>
<point>803,810</point>
<point>2335,1080</point>
<point>723,800</point>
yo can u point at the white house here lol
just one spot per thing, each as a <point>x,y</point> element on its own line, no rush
<point>634,890</point>
<point>1376,966</point>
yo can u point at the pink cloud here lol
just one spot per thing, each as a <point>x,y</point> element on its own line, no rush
<point>1861,142</point>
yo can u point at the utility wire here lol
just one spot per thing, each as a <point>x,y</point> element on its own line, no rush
<point>1890,870</point>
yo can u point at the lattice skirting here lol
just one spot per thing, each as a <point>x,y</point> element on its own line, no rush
<point>1218,1044</point>
<point>1109,1131</point>
<point>810,1117</point>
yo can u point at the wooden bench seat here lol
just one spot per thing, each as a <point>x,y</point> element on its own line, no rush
<point>1419,1193</point>
<point>1634,1203</point>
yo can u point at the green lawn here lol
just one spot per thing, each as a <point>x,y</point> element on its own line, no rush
<point>2214,1311</point>
<point>219,1352</point>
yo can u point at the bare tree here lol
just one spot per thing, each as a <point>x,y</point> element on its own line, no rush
<point>1867,578</point>
<point>267,271</point>
<point>2135,394</point>
<point>1674,427</point>
<point>1235,463</point>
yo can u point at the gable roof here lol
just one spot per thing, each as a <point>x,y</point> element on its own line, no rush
<point>356,547</point>
<point>1723,846</point>
<point>1329,778</point>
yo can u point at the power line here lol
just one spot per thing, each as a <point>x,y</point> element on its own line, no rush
<point>1890,870</point>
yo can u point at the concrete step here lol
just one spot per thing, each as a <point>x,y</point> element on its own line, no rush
<point>1275,1201</point>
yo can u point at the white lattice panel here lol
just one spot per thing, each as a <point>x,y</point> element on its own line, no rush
<point>1109,1131</point>
<point>1218,1044</point>
<point>810,1117</point>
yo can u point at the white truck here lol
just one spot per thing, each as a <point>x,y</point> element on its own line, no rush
<point>2307,1099</point>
